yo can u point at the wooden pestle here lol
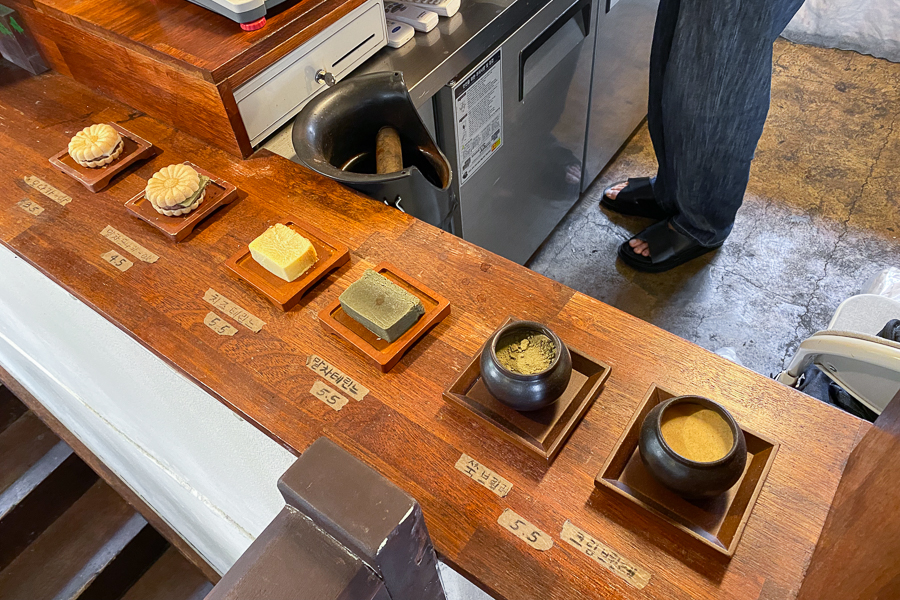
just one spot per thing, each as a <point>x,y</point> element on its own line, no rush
<point>388,151</point>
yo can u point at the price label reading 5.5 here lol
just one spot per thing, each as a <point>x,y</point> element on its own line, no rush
<point>218,324</point>
<point>328,396</point>
<point>525,531</point>
<point>117,260</point>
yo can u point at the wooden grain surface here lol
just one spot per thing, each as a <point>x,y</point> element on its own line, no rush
<point>172,59</point>
<point>182,98</point>
<point>194,38</point>
<point>403,428</point>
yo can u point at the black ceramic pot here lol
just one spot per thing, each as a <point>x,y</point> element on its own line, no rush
<point>687,478</point>
<point>525,392</point>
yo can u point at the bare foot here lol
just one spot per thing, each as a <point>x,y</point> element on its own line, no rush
<point>641,247</point>
<point>612,192</point>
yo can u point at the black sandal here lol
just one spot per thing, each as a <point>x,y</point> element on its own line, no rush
<point>636,199</point>
<point>668,249</point>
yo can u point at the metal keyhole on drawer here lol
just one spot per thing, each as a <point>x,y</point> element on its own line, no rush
<point>323,76</point>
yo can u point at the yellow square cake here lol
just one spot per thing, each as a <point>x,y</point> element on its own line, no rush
<point>283,252</point>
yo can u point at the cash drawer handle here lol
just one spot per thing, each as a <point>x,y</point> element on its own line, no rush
<point>323,76</point>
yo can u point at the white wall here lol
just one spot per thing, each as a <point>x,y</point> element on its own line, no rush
<point>867,26</point>
<point>208,473</point>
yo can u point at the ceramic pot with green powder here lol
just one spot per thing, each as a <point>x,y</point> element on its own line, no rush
<point>526,366</point>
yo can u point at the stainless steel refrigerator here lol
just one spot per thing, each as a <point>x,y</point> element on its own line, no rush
<point>620,80</point>
<point>513,125</point>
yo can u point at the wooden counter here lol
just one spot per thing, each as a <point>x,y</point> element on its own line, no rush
<point>403,428</point>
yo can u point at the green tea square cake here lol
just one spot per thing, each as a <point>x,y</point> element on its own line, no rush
<point>381,306</point>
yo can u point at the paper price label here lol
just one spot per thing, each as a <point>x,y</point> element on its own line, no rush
<point>30,206</point>
<point>218,324</point>
<point>234,311</point>
<point>473,469</point>
<point>129,245</point>
<point>48,190</point>
<point>331,374</point>
<point>605,556</point>
<point>525,531</point>
<point>328,396</point>
<point>117,260</point>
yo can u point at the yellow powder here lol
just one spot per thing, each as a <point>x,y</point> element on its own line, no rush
<point>696,433</point>
<point>527,354</point>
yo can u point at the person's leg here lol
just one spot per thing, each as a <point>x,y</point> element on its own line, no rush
<point>663,32</point>
<point>660,50</point>
<point>715,98</point>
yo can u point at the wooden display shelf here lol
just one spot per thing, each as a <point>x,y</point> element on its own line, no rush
<point>383,353</point>
<point>136,148</point>
<point>542,432</point>
<point>330,254</point>
<point>218,193</point>
<point>717,522</point>
<point>403,427</point>
<point>172,59</point>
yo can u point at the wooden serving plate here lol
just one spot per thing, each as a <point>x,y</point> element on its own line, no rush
<point>330,254</point>
<point>717,522</point>
<point>542,432</point>
<point>218,193</point>
<point>383,353</point>
<point>136,148</point>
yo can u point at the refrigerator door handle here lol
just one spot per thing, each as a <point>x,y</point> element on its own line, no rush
<point>546,50</point>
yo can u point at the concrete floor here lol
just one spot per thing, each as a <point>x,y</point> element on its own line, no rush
<point>819,218</point>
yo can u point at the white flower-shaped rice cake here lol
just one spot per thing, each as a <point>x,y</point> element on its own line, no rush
<point>95,146</point>
<point>172,185</point>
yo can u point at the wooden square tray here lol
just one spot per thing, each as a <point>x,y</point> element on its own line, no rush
<point>136,148</point>
<point>330,254</point>
<point>717,522</point>
<point>542,432</point>
<point>218,193</point>
<point>383,353</point>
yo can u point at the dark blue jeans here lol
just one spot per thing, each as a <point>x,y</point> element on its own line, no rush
<point>710,83</point>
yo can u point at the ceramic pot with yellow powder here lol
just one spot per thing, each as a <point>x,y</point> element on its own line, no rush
<point>526,366</point>
<point>693,446</point>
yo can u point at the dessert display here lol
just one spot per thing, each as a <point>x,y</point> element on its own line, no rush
<point>526,366</point>
<point>176,190</point>
<point>178,197</point>
<point>381,306</point>
<point>693,446</point>
<point>287,260</point>
<point>537,411</point>
<point>283,252</point>
<point>99,153</point>
<point>688,461</point>
<point>384,313</point>
<point>96,146</point>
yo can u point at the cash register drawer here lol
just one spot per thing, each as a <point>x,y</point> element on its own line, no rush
<point>271,98</point>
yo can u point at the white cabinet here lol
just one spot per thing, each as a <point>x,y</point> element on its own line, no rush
<point>274,96</point>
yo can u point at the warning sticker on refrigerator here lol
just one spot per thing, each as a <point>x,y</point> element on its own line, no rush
<point>478,110</point>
